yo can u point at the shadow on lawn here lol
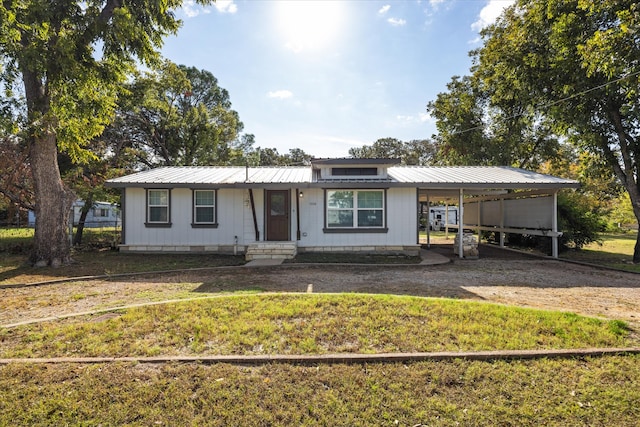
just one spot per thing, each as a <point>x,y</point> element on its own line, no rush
<point>331,278</point>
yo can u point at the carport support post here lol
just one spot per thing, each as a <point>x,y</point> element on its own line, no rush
<point>502,222</point>
<point>461,225</point>
<point>428,224</point>
<point>554,226</point>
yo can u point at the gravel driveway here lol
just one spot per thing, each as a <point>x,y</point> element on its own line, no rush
<point>498,276</point>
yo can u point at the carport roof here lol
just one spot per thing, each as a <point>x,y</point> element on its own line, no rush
<point>485,177</point>
<point>477,177</point>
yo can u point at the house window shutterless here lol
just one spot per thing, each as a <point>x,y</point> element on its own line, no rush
<point>158,208</point>
<point>204,208</point>
<point>355,211</point>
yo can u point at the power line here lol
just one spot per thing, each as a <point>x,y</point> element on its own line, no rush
<point>551,104</point>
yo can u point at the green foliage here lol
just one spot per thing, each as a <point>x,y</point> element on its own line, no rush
<point>175,115</point>
<point>49,52</point>
<point>622,213</point>
<point>578,221</point>
<point>415,152</point>
<point>575,64</point>
<point>478,124</point>
<point>552,71</point>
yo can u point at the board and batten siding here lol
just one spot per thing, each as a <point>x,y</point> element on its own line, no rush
<point>401,217</point>
<point>249,233</point>
<point>231,219</point>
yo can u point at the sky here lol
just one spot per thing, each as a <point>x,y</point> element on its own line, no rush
<point>326,76</point>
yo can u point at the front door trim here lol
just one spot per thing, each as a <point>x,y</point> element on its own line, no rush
<point>277,215</point>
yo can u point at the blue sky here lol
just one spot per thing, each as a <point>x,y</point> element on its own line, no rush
<point>325,76</point>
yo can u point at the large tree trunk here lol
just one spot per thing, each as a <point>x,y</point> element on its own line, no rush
<point>51,243</point>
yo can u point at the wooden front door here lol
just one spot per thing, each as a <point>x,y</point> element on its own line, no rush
<point>277,209</point>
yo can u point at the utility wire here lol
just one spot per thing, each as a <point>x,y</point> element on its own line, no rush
<point>551,104</point>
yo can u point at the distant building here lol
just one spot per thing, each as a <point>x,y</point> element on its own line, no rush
<point>102,214</point>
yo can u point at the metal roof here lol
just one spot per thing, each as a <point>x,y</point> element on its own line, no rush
<point>185,176</point>
<point>419,176</point>
<point>476,177</point>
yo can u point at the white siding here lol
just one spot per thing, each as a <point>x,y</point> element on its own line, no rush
<point>235,219</point>
<point>532,213</point>
<point>401,215</point>
<point>248,233</point>
<point>230,210</point>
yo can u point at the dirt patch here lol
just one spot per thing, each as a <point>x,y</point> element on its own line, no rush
<point>498,276</point>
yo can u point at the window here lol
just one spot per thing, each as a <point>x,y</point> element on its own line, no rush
<point>354,171</point>
<point>158,213</point>
<point>204,208</point>
<point>101,212</point>
<point>355,209</point>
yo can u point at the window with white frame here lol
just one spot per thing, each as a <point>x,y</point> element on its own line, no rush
<point>204,207</point>
<point>158,207</point>
<point>355,209</point>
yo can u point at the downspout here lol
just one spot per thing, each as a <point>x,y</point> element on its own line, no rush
<point>253,211</point>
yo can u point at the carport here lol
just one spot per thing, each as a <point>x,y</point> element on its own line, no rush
<point>498,199</point>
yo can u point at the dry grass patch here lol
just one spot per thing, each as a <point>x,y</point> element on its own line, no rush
<point>98,263</point>
<point>597,392</point>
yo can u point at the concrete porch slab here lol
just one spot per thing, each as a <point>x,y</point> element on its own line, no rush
<point>264,262</point>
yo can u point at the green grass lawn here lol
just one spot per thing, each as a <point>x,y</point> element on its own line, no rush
<point>582,391</point>
<point>614,250</point>
<point>579,391</point>
<point>311,324</point>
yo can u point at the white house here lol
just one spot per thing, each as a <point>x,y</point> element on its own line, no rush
<point>333,205</point>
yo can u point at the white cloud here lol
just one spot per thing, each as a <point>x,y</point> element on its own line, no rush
<point>396,22</point>
<point>419,118</point>
<point>226,6</point>
<point>425,117</point>
<point>191,9</point>
<point>490,13</point>
<point>280,94</point>
<point>384,9</point>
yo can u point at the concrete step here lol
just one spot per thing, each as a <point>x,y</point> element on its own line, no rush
<point>271,250</point>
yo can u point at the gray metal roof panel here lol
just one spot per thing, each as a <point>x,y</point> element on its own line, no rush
<point>423,176</point>
<point>475,176</point>
<point>215,175</point>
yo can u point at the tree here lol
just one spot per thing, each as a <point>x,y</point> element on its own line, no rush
<point>480,125</point>
<point>575,63</point>
<point>177,116</point>
<point>271,157</point>
<point>70,88</point>
<point>415,152</point>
